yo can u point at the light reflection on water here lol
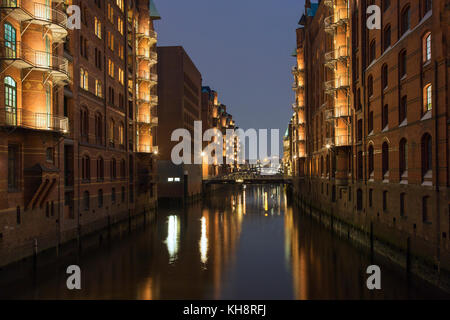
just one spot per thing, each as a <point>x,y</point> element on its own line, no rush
<point>237,244</point>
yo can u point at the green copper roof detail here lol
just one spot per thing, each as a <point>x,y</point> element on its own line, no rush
<point>154,14</point>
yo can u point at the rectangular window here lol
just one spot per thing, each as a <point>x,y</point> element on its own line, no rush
<point>13,167</point>
<point>98,89</point>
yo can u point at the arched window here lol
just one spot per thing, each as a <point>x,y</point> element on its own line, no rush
<point>426,5</point>
<point>10,41</point>
<point>370,85</point>
<point>384,76</point>
<point>426,47</point>
<point>427,98</point>
<point>387,37</point>
<point>403,159</point>
<point>100,169</point>
<point>99,128</point>
<point>427,155</point>
<point>371,160</point>
<point>405,23</point>
<point>372,51</point>
<point>385,158</point>
<point>10,101</point>
<point>121,134</point>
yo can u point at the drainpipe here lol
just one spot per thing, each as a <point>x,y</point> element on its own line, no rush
<point>436,145</point>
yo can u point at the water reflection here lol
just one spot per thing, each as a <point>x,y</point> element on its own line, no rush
<point>240,243</point>
<point>173,233</point>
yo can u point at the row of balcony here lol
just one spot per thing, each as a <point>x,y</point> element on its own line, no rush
<point>38,13</point>
<point>151,35</point>
<point>341,82</point>
<point>147,119</point>
<point>147,55</point>
<point>296,86</point>
<point>338,141</point>
<point>147,99</point>
<point>298,107</point>
<point>340,53</point>
<point>20,118</point>
<point>342,111</point>
<point>297,71</point>
<point>142,148</point>
<point>147,77</point>
<point>339,18</point>
<point>19,55</point>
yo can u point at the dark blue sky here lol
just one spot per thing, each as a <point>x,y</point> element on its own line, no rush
<point>243,50</point>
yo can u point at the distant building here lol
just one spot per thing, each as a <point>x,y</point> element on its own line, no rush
<point>179,92</point>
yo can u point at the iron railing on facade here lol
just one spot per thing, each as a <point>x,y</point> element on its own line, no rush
<point>142,148</point>
<point>18,117</point>
<point>38,11</point>
<point>10,50</point>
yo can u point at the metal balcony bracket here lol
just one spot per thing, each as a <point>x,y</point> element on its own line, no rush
<point>7,67</point>
<point>6,17</point>
<point>26,76</point>
<point>47,78</point>
<point>26,27</point>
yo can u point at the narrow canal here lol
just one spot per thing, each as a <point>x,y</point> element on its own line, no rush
<point>240,243</point>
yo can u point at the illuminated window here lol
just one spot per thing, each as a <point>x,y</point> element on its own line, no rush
<point>110,41</point>
<point>98,89</point>
<point>120,25</point>
<point>121,76</point>
<point>121,134</point>
<point>110,13</point>
<point>11,98</point>
<point>427,47</point>
<point>84,79</point>
<point>427,98</point>
<point>111,68</point>
<point>170,179</point>
<point>120,4</point>
<point>98,28</point>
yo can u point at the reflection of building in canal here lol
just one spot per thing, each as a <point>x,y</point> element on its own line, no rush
<point>200,245</point>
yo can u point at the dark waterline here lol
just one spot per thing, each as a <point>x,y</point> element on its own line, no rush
<point>237,244</point>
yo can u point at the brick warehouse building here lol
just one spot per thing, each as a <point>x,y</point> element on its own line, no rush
<point>77,118</point>
<point>375,113</point>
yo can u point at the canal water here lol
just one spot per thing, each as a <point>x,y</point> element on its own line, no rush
<point>239,243</point>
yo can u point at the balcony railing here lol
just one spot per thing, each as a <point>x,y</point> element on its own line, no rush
<point>147,119</point>
<point>340,53</point>
<point>39,13</point>
<point>148,34</point>
<point>11,117</point>
<point>298,107</point>
<point>147,76</point>
<point>23,56</point>
<point>341,82</point>
<point>146,54</point>
<point>142,148</point>
<point>296,86</point>
<point>338,141</point>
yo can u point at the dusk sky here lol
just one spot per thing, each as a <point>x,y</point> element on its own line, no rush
<point>242,49</point>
